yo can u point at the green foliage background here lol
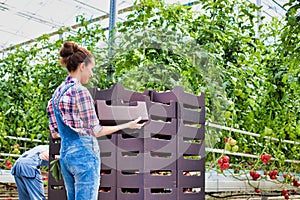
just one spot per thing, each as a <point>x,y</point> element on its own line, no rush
<point>248,70</point>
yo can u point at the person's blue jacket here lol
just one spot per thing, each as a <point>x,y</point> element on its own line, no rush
<point>29,163</point>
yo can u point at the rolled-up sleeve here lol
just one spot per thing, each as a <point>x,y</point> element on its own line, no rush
<point>87,112</point>
<point>52,120</point>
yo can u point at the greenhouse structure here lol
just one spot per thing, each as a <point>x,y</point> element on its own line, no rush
<point>216,84</point>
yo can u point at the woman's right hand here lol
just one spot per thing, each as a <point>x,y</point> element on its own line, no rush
<point>135,124</point>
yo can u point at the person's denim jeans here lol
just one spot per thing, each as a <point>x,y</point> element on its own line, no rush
<point>80,168</point>
<point>30,188</point>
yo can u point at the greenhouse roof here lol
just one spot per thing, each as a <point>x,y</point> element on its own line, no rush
<point>22,21</point>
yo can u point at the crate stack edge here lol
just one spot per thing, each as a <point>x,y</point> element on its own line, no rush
<point>56,189</point>
<point>190,141</point>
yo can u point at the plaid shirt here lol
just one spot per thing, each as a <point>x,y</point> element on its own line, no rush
<point>77,108</point>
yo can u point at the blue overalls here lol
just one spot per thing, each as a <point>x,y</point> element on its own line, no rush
<point>79,159</point>
<point>28,175</point>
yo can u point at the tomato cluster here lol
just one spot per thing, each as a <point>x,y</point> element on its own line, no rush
<point>224,162</point>
<point>273,174</point>
<point>285,194</point>
<point>231,145</point>
<point>265,157</point>
<point>8,164</point>
<point>254,175</point>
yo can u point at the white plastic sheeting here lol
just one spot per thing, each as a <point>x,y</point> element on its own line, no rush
<point>21,21</point>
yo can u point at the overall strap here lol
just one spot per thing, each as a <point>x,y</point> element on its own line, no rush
<point>55,106</point>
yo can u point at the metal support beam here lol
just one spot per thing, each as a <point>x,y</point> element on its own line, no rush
<point>258,3</point>
<point>112,23</point>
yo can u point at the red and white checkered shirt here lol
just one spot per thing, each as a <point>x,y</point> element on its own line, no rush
<point>77,108</point>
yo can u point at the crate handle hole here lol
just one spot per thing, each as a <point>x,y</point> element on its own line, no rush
<point>191,190</point>
<point>130,190</point>
<point>191,140</point>
<point>191,173</point>
<point>105,154</point>
<point>104,189</point>
<point>162,119</point>
<point>105,171</point>
<point>160,136</point>
<point>161,190</point>
<point>130,136</point>
<point>160,172</point>
<point>129,172</point>
<point>191,124</point>
<point>57,187</point>
<point>191,157</point>
<point>130,153</point>
<point>160,154</point>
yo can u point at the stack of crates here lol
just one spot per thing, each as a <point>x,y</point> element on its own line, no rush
<point>116,106</point>
<point>190,137</point>
<point>163,160</point>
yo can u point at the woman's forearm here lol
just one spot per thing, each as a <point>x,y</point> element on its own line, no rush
<point>108,130</point>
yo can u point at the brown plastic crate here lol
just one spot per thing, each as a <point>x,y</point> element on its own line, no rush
<point>116,114</point>
<point>149,142</point>
<point>160,160</point>
<point>191,140</point>
<point>185,193</point>
<point>184,163</point>
<point>108,159</point>
<point>108,177</point>
<point>160,126</point>
<point>132,178</point>
<point>153,178</point>
<point>130,193</point>
<point>190,131</point>
<point>152,144</point>
<point>190,147</point>
<point>127,142</point>
<point>157,193</point>
<point>145,161</point>
<point>52,181</point>
<point>130,160</point>
<point>54,146</point>
<point>190,178</point>
<point>116,92</point>
<point>57,192</point>
<point>109,193</point>
<point>192,115</point>
<point>107,143</point>
<point>160,136</point>
<point>160,110</point>
<point>164,178</point>
<point>146,193</point>
<point>177,94</point>
<point>148,138</point>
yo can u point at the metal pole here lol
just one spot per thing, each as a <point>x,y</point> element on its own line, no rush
<point>112,17</point>
<point>258,3</point>
<point>112,23</point>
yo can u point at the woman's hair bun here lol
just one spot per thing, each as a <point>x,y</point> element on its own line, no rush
<point>68,49</point>
<point>72,55</point>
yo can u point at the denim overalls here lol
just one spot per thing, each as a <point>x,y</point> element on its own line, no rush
<point>79,159</point>
<point>28,175</point>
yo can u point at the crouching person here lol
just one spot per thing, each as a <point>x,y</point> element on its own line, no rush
<point>27,174</point>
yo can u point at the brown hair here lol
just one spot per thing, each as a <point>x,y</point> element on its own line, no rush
<point>72,55</point>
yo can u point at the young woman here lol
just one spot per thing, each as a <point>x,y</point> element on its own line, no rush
<point>73,117</point>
